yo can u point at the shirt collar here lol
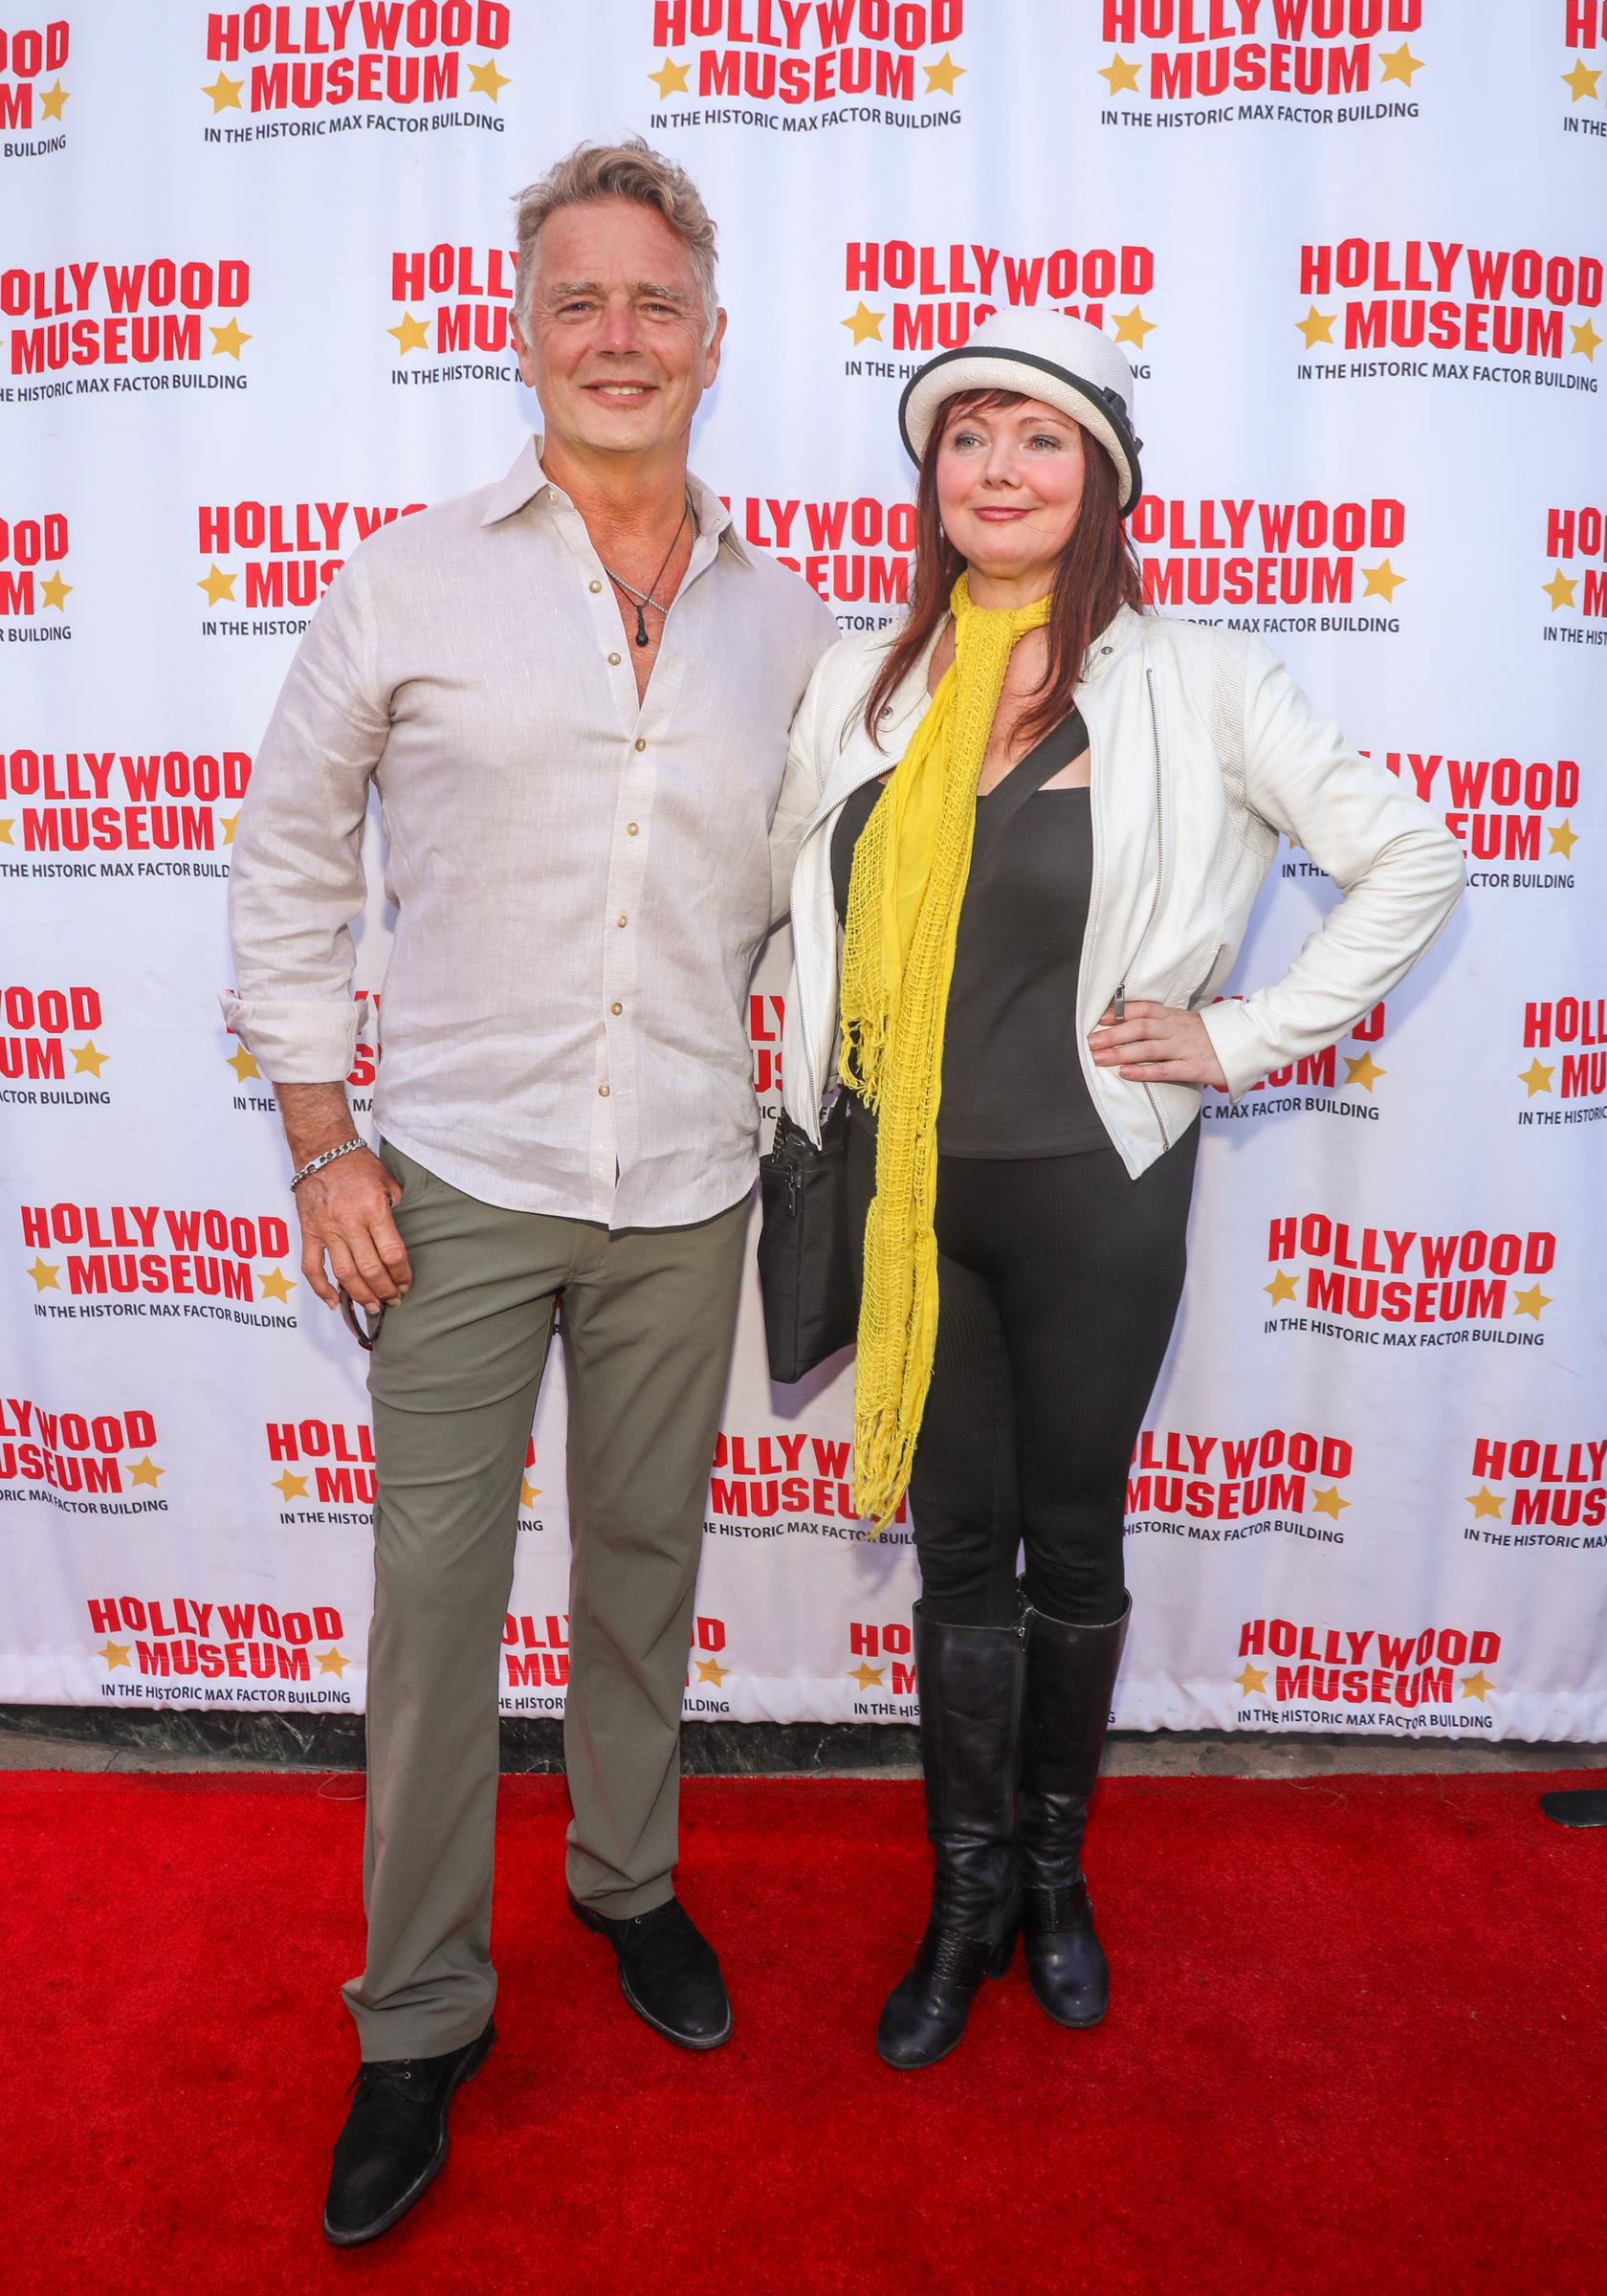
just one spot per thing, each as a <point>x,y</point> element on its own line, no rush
<point>526,481</point>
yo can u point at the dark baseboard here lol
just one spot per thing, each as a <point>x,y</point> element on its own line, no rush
<point>335,1741</point>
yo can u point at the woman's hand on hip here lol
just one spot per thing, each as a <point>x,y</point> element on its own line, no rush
<point>1157,1044</point>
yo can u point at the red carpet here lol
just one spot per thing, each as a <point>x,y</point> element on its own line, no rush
<point>1358,2046</point>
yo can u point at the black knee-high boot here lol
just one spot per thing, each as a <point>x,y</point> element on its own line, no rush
<point>970,1680</point>
<point>1070,1673</point>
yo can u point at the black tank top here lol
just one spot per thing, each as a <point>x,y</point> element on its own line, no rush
<point>1013,1082</point>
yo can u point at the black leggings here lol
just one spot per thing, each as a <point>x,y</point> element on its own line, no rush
<point>1058,1283</point>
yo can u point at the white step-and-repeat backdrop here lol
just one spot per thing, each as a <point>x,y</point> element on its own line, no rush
<point>256,279</point>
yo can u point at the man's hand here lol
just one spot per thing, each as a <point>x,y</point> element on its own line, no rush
<point>1157,1044</point>
<point>345,1212</point>
<point>345,1208</point>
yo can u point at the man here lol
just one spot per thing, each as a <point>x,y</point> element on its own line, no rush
<point>573,691</point>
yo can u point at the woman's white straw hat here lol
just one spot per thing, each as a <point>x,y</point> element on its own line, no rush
<point>1044,354</point>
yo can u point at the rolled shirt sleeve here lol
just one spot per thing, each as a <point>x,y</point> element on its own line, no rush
<point>1397,865</point>
<point>297,878</point>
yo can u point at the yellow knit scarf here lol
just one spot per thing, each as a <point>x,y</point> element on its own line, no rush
<point>910,867</point>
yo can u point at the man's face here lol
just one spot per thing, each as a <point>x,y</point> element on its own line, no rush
<point>615,353</point>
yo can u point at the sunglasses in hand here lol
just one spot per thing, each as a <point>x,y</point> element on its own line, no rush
<point>362,1323</point>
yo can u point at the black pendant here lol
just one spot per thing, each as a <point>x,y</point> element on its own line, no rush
<point>641,627</point>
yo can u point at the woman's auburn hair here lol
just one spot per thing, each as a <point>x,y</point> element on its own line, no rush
<point>1096,573</point>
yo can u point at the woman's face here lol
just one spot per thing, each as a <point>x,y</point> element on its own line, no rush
<point>1010,488</point>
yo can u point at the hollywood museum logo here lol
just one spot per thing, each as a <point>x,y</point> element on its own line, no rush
<point>791,65</point>
<point>1206,63</point>
<point>34,117</point>
<point>1387,1286</point>
<point>82,1462</point>
<point>157,326</point>
<point>387,66</point>
<point>912,299</point>
<point>1439,310</point>
<point>122,811</point>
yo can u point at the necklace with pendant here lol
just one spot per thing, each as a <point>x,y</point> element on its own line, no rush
<point>641,600</point>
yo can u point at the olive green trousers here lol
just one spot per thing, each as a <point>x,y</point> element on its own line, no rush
<point>648,1317</point>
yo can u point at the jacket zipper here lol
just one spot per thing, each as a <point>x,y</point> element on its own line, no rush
<point>1119,1000</point>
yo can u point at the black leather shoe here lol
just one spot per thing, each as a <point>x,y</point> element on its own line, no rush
<point>970,1739</point>
<point>668,1972</point>
<point>394,2143</point>
<point>1070,1673</point>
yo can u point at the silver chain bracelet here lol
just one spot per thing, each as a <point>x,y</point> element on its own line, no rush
<point>328,1156</point>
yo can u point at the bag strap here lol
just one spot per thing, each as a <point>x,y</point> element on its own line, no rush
<point>1058,747</point>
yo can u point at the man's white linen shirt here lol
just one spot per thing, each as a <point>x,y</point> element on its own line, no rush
<point>582,880</point>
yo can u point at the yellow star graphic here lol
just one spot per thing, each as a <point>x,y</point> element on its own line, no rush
<point>1585,339</point>
<point>1328,1502</point>
<point>8,822</point>
<point>290,1486</point>
<point>227,821</point>
<point>485,79</point>
<point>529,1492</point>
<point>1317,326</point>
<point>1364,1071</point>
<point>1120,74</point>
<point>1474,1686</point>
<point>1560,589</point>
<point>1537,1076</point>
<point>145,1470</point>
<point>242,1064</point>
<point>225,94</point>
<point>1533,1302</point>
<point>1252,1679</point>
<point>671,78</point>
<point>229,339</point>
<point>1131,326</point>
<point>1282,1287</point>
<point>88,1058</point>
<point>865,326</point>
<point>1564,838</point>
<point>942,75</point>
<point>277,1284</point>
<point>218,585</point>
<point>1484,1502</point>
<point>412,335</point>
<point>1382,581</point>
<point>332,1661</point>
<point>51,101</point>
<point>115,1654</point>
<point>1581,79</point>
<point>710,1669</point>
<point>1398,65</point>
<point>44,1274</point>
<point>57,592</point>
<point>869,1678</point>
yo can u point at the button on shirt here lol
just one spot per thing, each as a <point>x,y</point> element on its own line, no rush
<point>582,880</point>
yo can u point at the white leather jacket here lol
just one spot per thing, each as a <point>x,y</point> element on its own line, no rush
<point>1202,749</point>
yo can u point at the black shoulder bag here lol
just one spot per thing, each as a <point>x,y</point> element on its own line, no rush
<point>806,1270</point>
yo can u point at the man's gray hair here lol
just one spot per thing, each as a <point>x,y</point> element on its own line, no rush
<point>629,170</point>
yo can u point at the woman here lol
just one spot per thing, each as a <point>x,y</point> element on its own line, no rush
<point>1024,1012</point>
